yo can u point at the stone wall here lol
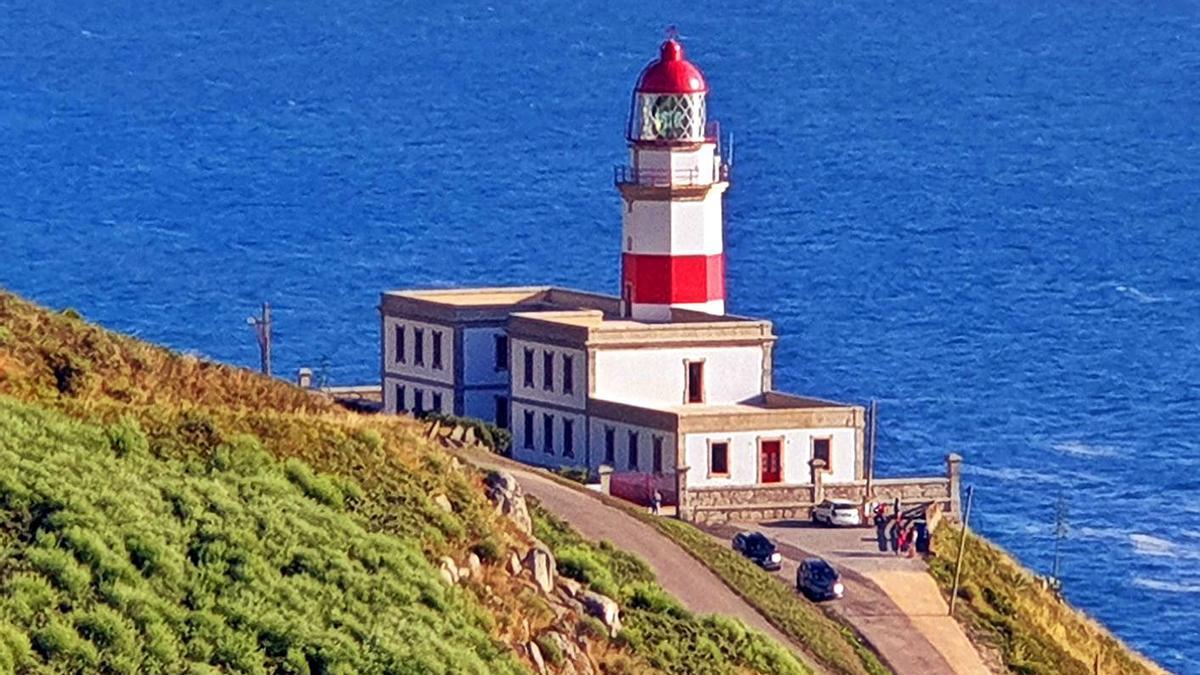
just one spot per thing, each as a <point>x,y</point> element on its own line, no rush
<point>776,502</point>
<point>794,502</point>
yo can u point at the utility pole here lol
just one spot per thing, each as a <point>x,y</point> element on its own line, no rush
<point>262,329</point>
<point>962,546</point>
<point>871,444</point>
<point>1060,533</point>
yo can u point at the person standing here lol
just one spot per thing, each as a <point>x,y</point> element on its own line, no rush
<point>656,502</point>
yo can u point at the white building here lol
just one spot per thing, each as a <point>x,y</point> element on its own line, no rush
<point>659,384</point>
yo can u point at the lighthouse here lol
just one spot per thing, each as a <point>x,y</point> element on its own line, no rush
<point>673,252</point>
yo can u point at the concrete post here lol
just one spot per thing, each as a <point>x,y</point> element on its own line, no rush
<point>606,479</point>
<point>684,508</point>
<point>304,378</point>
<point>954,473</point>
<point>818,480</point>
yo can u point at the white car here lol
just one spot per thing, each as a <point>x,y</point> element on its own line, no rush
<point>837,512</point>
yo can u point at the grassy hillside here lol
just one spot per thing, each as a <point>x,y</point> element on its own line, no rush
<point>671,638</point>
<point>114,561</point>
<point>194,427</point>
<point>1004,605</point>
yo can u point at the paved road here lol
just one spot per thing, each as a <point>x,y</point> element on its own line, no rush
<point>679,573</point>
<point>890,599</point>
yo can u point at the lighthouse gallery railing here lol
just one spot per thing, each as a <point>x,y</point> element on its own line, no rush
<point>623,174</point>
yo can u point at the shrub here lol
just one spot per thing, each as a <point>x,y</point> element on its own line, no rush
<point>69,370</point>
<point>550,650</point>
<point>126,437</point>
<point>496,439</point>
<point>489,549</point>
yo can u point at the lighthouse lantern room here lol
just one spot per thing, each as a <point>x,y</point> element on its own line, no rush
<point>673,243</point>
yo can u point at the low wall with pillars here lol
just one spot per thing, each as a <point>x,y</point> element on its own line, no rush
<point>794,502</point>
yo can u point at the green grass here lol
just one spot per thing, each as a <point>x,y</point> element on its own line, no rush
<point>1036,633</point>
<point>656,626</point>
<point>114,559</point>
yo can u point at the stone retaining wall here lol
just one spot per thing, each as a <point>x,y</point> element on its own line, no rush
<point>794,502</point>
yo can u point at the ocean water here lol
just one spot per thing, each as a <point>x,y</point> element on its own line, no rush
<point>984,214</point>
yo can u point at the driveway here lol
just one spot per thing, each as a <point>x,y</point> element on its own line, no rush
<point>892,600</point>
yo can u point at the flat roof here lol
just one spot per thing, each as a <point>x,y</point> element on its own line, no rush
<point>581,313</point>
<point>772,410</point>
<point>475,297</point>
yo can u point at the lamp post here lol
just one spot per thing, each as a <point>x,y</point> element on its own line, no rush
<point>262,329</point>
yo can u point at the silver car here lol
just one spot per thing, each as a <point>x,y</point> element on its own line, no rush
<point>837,512</point>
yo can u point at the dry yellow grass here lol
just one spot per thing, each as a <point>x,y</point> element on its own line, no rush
<point>1035,631</point>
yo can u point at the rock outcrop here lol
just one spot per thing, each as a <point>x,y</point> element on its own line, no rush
<point>505,492</point>
<point>604,608</point>
<point>541,565</point>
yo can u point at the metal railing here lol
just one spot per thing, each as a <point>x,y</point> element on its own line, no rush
<point>623,174</point>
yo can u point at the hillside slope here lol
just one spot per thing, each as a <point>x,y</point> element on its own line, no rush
<point>1004,606</point>
<point>80,385</point>
<point>113,561</point>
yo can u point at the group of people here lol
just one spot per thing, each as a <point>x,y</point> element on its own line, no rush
<point>900,534</point>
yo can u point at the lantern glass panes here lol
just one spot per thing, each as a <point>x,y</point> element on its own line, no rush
<point>668,117</point>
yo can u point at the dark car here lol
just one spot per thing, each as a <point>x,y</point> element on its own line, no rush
<point>756,547</point>
<point>817,580</point>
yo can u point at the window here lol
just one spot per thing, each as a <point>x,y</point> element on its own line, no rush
<point>528,430</point>
<point>501,352</point>
<point>695,382</point>
<point>610,446</point>
<point>502,412</point>
<point>436,406</point>
<point>568,437</point>
<point>437,349</point>
<point>548,371</point>
<point>568,374</point>
<point>718,458</point>
<point>821,447</point>
<point>633,451</point>
<point>656,443</point>
<point>528,367</point>
<point>419,346</point>
<point>400,346</point>
<point>418,401</point>
<point>548,433</point>
<point>400,399</point>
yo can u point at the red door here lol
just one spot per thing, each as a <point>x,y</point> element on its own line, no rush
<point>770,456</point>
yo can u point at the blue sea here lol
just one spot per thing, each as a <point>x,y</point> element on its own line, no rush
<point>983,214</point>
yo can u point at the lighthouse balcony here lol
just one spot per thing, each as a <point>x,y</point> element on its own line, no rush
<point>632,176</point>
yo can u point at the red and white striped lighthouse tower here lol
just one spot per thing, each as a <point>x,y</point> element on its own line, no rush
<point>673,243</point>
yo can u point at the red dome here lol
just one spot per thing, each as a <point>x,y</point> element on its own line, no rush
<point>671,73</point>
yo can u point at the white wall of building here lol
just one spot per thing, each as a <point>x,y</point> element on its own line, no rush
<point>429,334</point>
<point>434,398</point>
<point>556,394</point>
<point>479,357</point>
<point>598,437</point>
<point>534,449</point>
<point>657,377</point>
<point>744,456</point>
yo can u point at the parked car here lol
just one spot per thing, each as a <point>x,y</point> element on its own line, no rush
<point>818,580</point>
<point>837,512</point>
<point>759,549</point>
